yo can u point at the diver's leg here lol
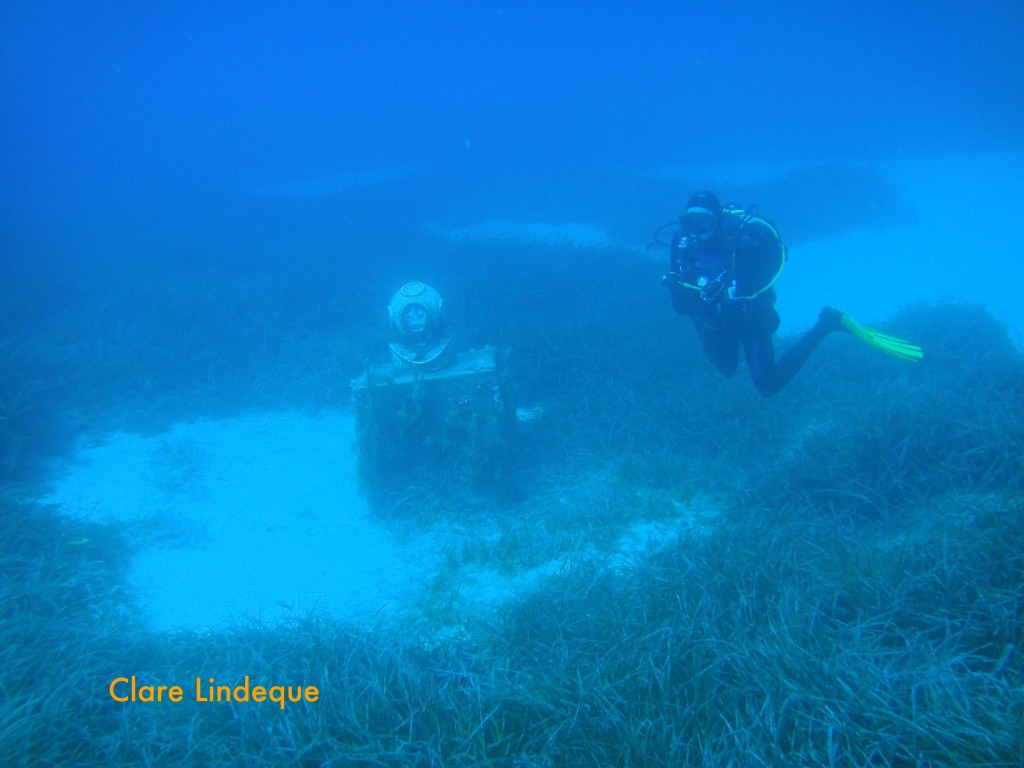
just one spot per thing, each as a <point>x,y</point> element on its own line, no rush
<point>721,344</point>
<point>770,375</point>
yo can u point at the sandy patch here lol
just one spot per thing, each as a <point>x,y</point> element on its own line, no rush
<point>251,518</point>
<point>259,519</point>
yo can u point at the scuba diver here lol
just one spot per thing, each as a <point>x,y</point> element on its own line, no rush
<point>723,266</point>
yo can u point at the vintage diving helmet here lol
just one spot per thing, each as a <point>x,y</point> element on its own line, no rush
<point>416,313</point>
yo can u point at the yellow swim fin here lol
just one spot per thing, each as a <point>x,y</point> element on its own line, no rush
<point>891,345</point>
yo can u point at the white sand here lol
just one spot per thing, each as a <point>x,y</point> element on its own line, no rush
<point>253,518</point>
<point>258,519</point>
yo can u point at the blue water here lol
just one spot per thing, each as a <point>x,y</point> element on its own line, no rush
<point>155,118</point>
<point>203,194</point>
<point>160,164</point>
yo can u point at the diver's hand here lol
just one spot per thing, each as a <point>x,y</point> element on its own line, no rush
<point>673,280</point>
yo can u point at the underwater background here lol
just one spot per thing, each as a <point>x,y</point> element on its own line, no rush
<point>205,210</point>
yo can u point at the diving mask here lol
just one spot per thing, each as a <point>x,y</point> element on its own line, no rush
<point>699,223</point>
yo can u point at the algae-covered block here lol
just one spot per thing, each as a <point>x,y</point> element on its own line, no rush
<point>445,432</point>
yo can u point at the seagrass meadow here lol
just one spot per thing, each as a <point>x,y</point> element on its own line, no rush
<point>853,594</point>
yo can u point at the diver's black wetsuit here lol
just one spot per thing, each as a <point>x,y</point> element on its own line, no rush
<point>727,286</point>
